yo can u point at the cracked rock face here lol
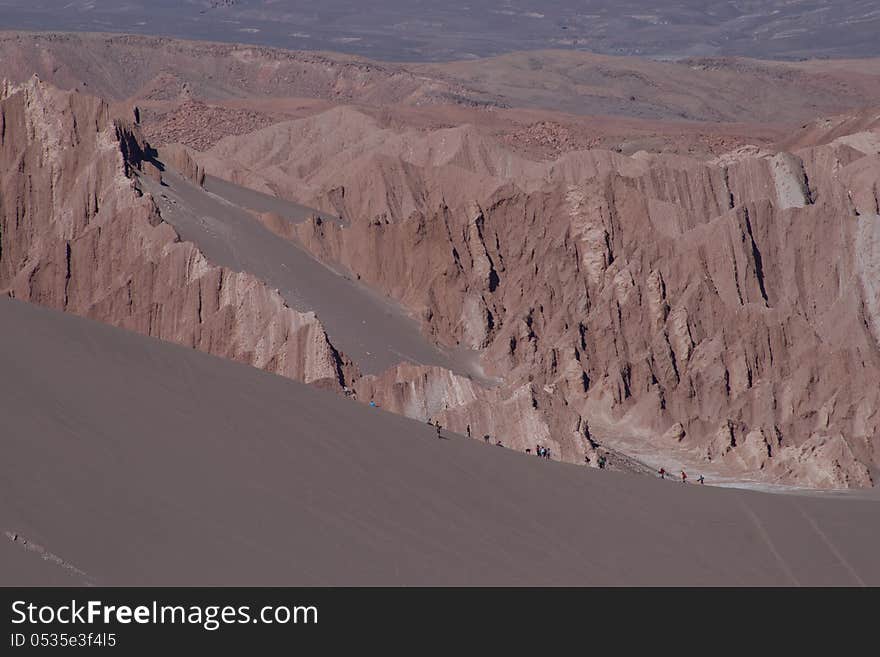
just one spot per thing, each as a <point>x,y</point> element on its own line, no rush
<point>79,235</point>
<point>732,305</point>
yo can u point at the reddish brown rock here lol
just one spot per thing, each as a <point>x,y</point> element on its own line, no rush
<point>729,309</point>
<point>736,300</point>
<point>178,158</point>
<point>78,235</point>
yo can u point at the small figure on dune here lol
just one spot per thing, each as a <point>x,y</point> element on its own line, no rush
<point>602,462</point>
<point>662,472</point>
<point>701,479</point>
<point>684,477</point>
<point>486,438</point>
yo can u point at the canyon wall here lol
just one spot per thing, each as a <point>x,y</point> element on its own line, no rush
<point>729,308</point>
<point>78,234</point>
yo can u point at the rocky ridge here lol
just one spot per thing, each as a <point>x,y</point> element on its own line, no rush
<point>728,307</point>
<point>78,234</point>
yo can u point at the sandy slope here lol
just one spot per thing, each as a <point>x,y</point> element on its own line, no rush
<point>250,199</point>
<point>372,330</point>
<point>22,567</point>
<point>139,462</point>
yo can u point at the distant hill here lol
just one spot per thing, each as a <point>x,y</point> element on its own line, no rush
<point>435,31</point>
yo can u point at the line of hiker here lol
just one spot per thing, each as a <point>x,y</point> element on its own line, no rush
<point>663,474</point>
<point>486,437</point>
<point>545,453</point>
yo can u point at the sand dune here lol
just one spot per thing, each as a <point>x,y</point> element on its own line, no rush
<point>139,462</point>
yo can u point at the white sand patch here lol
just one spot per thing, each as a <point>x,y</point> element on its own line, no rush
<point>868,268</point>
<point>788,176</point>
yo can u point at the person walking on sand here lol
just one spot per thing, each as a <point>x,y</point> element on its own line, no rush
<point>684,477</point>
<point>486,438</point>
<point>701,480</point>
<point>662,473</point>
<point>438,430</point>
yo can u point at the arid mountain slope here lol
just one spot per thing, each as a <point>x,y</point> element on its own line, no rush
<point>731,306</point>
<point>143,69</point>
<point>859,129</point>
<point>89,226</point>
<point>708,89</point>
<point>152,71</point>
<point>196,471</point>
<point>391,173</point>
<point>77,234</point>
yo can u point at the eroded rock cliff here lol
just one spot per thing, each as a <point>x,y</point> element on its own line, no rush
<point>729,308</point>
<point>78,234</point>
